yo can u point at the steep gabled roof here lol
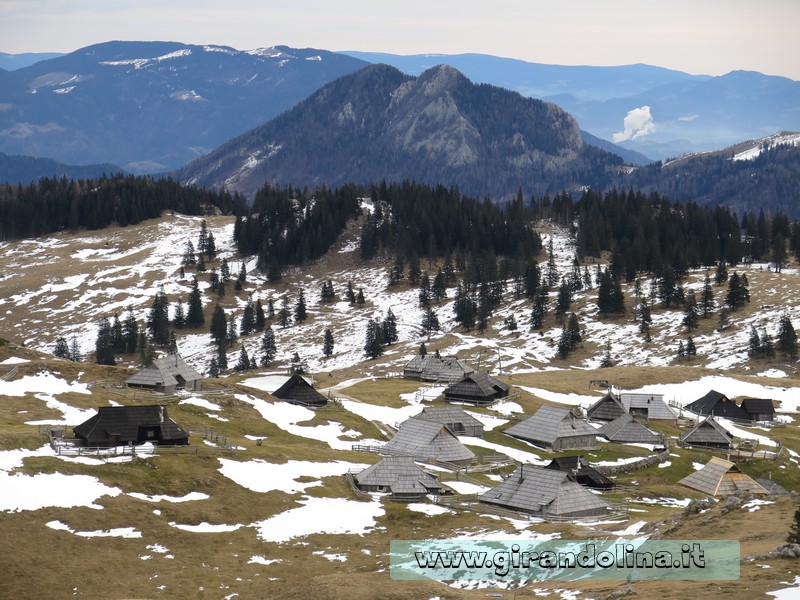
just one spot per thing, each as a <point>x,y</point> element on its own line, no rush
<point>550,423</point>
<point>298,391</point>
<point>448,414</point>
<point>653,403</point>
<point>399,472</point>
<point>125,421</point>
<point>479,385</point>
<point>438,368</point>
<point>708,432</point>
<point>547,491</point>
<point>626,429</point>
<point>719,405</point>
<point>607,408</point>
<point>758,406</point>
<point>720,477</point>
<point>164,371</point>
<point>581,471</point>
<point>426,440</point>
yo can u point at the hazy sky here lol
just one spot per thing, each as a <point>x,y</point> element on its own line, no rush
<point>698,36</point>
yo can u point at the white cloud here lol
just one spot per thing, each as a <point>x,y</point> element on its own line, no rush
<point>638,123</point>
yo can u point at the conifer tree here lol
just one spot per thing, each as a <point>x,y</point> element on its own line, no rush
<point>172,347</point>
<point>360,300</point>
<point>188,255</point>
<point>130,331</point>
<point>350,295</point>
<point>794,530</point>
<point>414,270</point>
<point>242,273</point>
<point>248,324</point>
<point>213,367</point>
<point>194,313</point>
<point>327,293</point>
<point>211,246</point>
<point>607,361</point>
<point>243,364</point>
<point>298,365</point>
<point>219,325</point>
<point>62,349</point>
<point>430,321</point>
<point>284,316</point>
<point>158,319</point>
<point>397,271</point>
<point>231,336</point>
<point>104,346</point>
<point>738,293</point>
<point>389,327</point>
<point>539,311</point>
<point>563,301</point>
<point>74,350</point>
<point>270,308</point>
<point>570,336</point>
<point>552,269</point>
<point>754,343</point>
<point>222,357</point>
<point>373,346</point>
<point>690,312</point>
<point>646,320</point>
<point>268,350</point>
<point>787,338</point>
<point>180,316</point>
<point>327,343</point>
<point>224,271</point>
<point>691,350</point>
<point>424,290</point>
<point>300,314</point>
<point>201,263</point>
<point>117,335</point>
<point>261,318</point>
<point>144,349</point>
<point>707,301</point>
<point>202,240</point>
<point>721,273</point>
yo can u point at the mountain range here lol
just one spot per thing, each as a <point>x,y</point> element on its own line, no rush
<point>679,113</point>
<point>379,124</point>
<point>153,106</point>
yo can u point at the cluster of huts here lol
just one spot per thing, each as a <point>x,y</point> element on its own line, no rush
<point>562,489</point>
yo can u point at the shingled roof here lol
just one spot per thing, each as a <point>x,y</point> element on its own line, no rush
<point>477,388</point>
<point>458,420</point>
<point>626,429</point>
<point>759,408</point>
<point>544,492</point>
<point>123,425</point>
<point>651,406</point>
<point>719,405</point>
<point>436,368</point>
<point>166,373</point>
<point>581,471</point>
<point>425,440</point>
<point>607,408</point>
<point>720,477</point>
<point>298,391</point>
<point>553,426</point>
<point>708,433</point>
<point>398,474</point>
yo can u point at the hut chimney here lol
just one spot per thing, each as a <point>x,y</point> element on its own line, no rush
<point>521,467</point>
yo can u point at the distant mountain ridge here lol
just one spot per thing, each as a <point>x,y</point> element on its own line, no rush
<point>25,169</point>
<point>153,106</point>
<point>379,124</point>
<point>688,113</point>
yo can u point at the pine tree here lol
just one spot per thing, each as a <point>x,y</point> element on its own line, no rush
<point>360,300</point>
<point>690,312</point>
<point>117,335</point>
<point>211,246</point>
<point>681,350</point>
<point>570,337</point>
<point>646,319</point>
<point>213,280</point>
<point>243,364</point>
<point>754,343</point>
<point>738,294</point>
<point>327,294</point>
<point>389,327</point>
<point>350,295</point>
<point>194,313</point>
<point>242,273</point>
<point>130,331</point>
<point>219,325</point>
<point>707,301</point>
<point>62,349</point>
<point>201,263</point>
<point>213,367</point>
<point>261,318</point>
<point>397,271</point>
<point>172,347</point>
<point>552,270</point>
<point>424,290</point>
<point>222,357</point>
<point>767,345</point>
<point>298,365</point>
<point>202,240</point>
<point>158,319</point>
<point>188,255</point>
<point>248,324</point>
<point>607,361</point>
<point>373,347</point>
<point>563,301</point>
<point>268,350</point>
<point>327,343</point>
<point>284,316</point>
<point>74,351</point>
<point>414,270</point>
<point>270,308</point>
<point>144,349</point>
<point>104,346</point>
<point>539,307</point>
<point>430,322</point>
<point>691,350</point>
<point>224,271</point>
<point>794,530</point>
<point>787,338</point>
<point>300,314</point>
<point>231,336</point>
<point>180,316</point>
<point>721,273</point>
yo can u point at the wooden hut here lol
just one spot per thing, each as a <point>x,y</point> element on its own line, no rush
<point>477,388</point>
<point>627,430</point>
<point>167,375</point>
<point>447,369</point>
<point>717,404</point>
<point>648,406</point>
<point>428,441</point>
<point>720,477</point>
<point>131,425</point>
<point>298,391</point>
<point>455,419</point>
<point>581,472</point>
<point>556,428</point>
<point>708,434</point>
<point>545,493</point>
<point>400,477</point>
<point>759,409</point>
<point>607,408</point>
